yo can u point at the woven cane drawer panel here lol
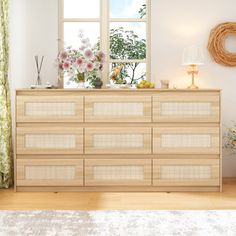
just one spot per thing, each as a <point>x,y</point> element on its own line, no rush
<point>49,172</point>
<point>186,140</point>
<point>185,172</point>
<point>49,108</point>
<point>42,141</point>
<point>118,140</point>
<point>189,107</point>
<point>49,140</point>
<point>46,172</point>
<point>117,172</point>
<point>118,108</point>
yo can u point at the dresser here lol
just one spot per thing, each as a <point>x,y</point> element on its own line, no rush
<point>118,140</point>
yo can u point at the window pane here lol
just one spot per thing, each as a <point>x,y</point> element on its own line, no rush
<point>81,8</point>
<point>90,30</point>
<point>127,40</point>
<point>129,73</point>
<point>68,83</point>
<point>128,8</point>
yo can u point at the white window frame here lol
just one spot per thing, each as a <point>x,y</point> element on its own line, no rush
<point>105,21</point>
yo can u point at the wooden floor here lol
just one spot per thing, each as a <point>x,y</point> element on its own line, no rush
<point>9,200</point>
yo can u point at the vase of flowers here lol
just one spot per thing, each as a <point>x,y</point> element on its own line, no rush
<point>83,64</point>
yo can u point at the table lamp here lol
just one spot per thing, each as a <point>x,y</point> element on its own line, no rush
<point>193,57</point>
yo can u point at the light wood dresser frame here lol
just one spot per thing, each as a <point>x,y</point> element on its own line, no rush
<point>118,140</point>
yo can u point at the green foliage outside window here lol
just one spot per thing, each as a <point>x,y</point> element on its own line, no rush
<point>125,44</point>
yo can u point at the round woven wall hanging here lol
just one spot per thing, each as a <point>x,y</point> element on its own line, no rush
<point>216,44</point>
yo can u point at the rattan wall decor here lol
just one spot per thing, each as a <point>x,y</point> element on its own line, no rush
<point>216,44</point>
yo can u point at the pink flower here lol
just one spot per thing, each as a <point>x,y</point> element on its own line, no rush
<point>82,48</point>
<point>63,55</point>
<point>102,55</point>
<point>66,65</point>
<point>90,66</point>
<point>61,66</point>
<point>79,61</point>
<point>88,54</point>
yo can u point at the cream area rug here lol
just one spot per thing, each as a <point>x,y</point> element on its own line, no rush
<point>117,223</point>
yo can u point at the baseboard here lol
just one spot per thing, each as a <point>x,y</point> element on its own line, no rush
<point>117,189</point>
<point>229,179</point>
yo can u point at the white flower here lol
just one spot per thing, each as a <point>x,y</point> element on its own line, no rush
<point>81,69</point>
<point>81,34</point>
<point>85,41</point>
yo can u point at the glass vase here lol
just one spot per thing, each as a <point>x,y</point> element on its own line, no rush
<point>80,80</point>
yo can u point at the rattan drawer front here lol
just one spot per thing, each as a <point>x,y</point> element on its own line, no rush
<point>135,172</point>
<point>177,172</point>
<point>118,140</point>
<point>49,108</point>
<point>46,172</point>
<point>118,109</point>
<point>187,107</point>
<point>186,140</point>
<point>49,140</point>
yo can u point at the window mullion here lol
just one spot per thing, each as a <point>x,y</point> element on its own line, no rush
<point>127,20</point>
<point>81,20</point>
<point>128,60</point>
<point>148,39</point>
<point>104,28</point>
<point>60,37</point>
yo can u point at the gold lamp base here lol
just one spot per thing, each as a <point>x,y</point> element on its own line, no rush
<point>193,86</point>
<point>193,71</point>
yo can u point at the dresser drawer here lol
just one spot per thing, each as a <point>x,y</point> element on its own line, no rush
<point>45,172</point>
<point>50,108</point>
<point>117,172</point>
<point>49,140</point>
<point>118,109</point>
<point>198,172</point>
<point>186,107</point>
<point>128,140</point>
<point>186,140</point>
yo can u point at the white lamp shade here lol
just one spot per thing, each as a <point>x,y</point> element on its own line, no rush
<point>193,55</point>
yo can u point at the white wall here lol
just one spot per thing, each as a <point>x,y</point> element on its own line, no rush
<point>33,31</point>
<point>175,24</point>
<point>180,23</point>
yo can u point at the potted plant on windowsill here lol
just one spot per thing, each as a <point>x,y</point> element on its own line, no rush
<point>83,64</point>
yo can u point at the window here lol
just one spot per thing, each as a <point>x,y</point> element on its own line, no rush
<point>120,28</point>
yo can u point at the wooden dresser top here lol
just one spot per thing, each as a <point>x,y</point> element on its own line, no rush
<point>46,91</point>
